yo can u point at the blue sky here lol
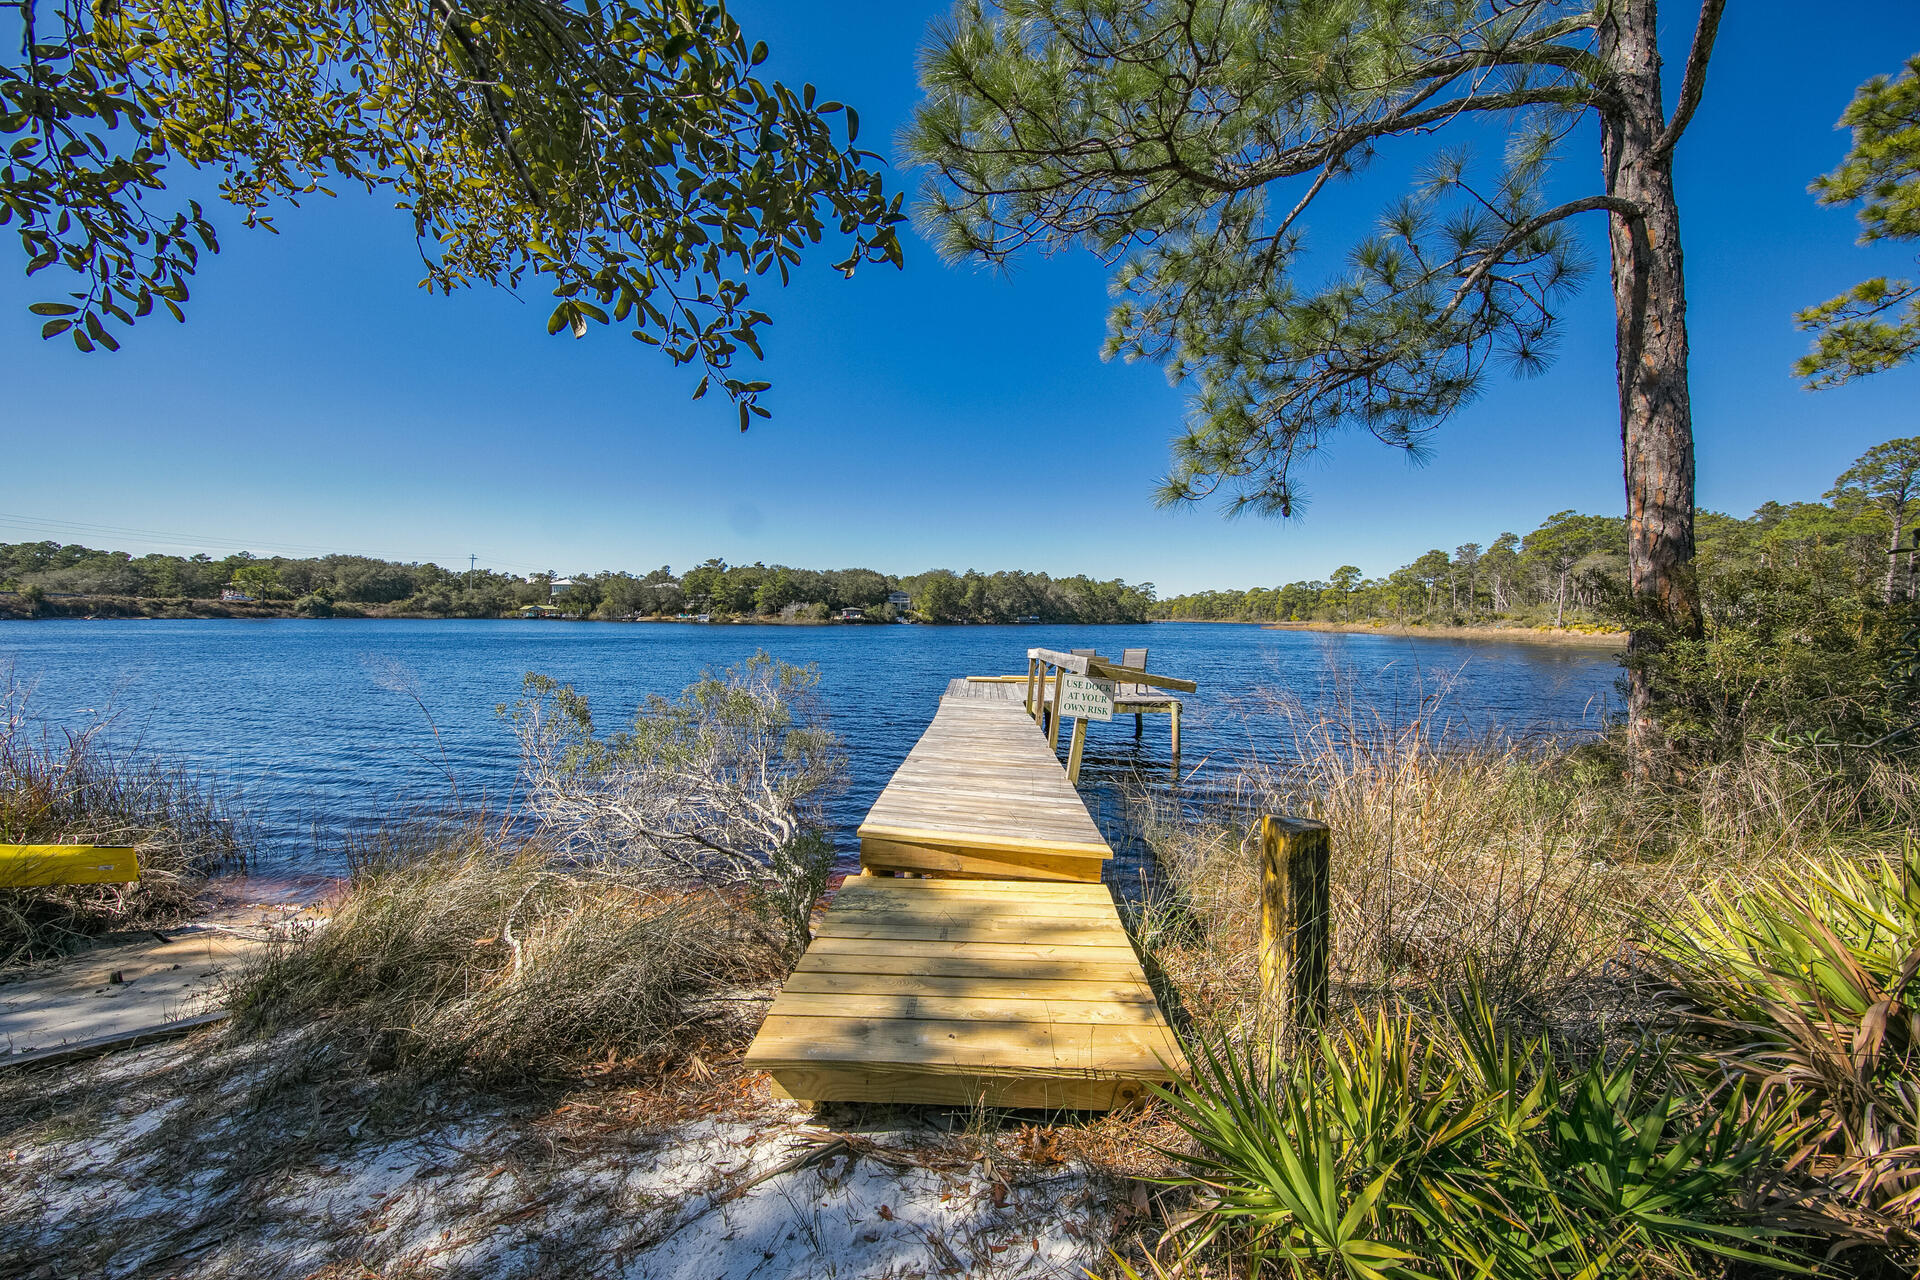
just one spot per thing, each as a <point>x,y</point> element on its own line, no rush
<point>318,400</point>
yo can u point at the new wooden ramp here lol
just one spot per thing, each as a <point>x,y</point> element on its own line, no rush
<point>1006,979</point>
<point>982,795</point>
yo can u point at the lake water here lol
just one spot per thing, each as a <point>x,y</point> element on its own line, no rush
<point>314,721</point>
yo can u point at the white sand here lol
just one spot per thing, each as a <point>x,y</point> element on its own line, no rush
<point>477,1192</point>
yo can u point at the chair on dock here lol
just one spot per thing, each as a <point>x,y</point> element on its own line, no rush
<point>1136,658</point>
<point>1141,699</point>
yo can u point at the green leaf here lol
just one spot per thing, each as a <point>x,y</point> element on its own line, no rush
<point>52,309</point>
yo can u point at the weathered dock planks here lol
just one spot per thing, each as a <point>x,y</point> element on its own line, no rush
<point>977,959</point>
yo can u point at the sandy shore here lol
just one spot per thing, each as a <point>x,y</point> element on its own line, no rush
<point>1522,635</point>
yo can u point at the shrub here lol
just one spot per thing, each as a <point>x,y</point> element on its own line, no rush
<point>1804,986</point>
<point>1789,654</point>
<point>723,788</point>
<point>1407,1147</point>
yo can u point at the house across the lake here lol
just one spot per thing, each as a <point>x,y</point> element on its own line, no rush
<point>899,599</point>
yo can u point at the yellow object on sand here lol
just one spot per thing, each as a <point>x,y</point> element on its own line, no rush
<point>39,866</point>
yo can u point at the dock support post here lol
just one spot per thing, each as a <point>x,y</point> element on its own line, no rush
<point>1176,731</point>
<point>1295,926</point>
<point>1033,688</point>
<point>1053,728</point>
<point>1074,751</point>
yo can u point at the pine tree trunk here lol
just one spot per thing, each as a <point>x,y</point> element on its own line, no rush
<point>1650,310</point>
<point>1894,591</point>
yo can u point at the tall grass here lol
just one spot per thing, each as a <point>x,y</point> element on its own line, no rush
<point>459,947</point>
<point>1529,863</point>
<point>60,785</point>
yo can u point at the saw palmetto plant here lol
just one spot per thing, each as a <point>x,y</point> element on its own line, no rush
<point>1413,1146</point>
<point>1805,987</point>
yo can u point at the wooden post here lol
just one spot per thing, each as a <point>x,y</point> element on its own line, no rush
<point>1295,926</point>
<point>1053,728</point>
<point>1079,745</point>
<point>1033,688</point>
<point>1176,730</point>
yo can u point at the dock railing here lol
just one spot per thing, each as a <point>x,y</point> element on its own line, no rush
<point>1078,685</point>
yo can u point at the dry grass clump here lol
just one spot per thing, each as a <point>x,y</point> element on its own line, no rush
<point>1445,862</point>
<point>1528,865</point>
<point>459,950</point>
<point>1771,799</point>
<point>66,786</point>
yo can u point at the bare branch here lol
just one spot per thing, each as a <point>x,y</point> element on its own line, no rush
<point>1695,83</point>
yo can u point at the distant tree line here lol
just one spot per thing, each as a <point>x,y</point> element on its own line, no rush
<point>317,586</point>
<point>1572,568</point>
<point>342,585</point>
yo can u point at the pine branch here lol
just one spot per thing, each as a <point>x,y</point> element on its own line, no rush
<point>1695,83</point>
<point>1507,243</point>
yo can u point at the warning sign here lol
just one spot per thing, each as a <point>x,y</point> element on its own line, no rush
<point>1085,699</point>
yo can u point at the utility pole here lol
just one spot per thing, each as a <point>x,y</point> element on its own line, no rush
<point>470,560</point>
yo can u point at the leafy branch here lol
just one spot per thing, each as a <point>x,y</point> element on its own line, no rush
<point>623,151</point>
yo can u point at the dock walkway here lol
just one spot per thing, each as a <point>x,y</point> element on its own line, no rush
<point>977,958</point>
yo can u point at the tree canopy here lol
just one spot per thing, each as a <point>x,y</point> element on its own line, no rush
<point>1885,477</point>
<point>1876,324</point>
<point>1186,141</point>
<point>622,152</point>
<point>1162,134</point>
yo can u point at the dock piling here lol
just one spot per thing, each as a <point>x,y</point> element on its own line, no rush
<point>1295,921</point>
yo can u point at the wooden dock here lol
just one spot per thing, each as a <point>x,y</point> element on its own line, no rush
<point>977,958</point>
<point>981,795</point>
